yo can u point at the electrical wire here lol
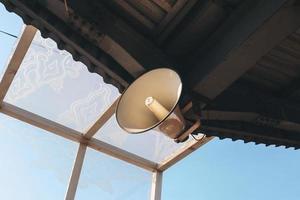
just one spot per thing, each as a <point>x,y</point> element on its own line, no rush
<point>9,34</point>
<point>198,140</point>
<point>36,44</point>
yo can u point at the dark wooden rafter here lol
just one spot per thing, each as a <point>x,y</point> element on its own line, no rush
<point>173,18</point>
<point>245,113</point>
<point>249,132</point>
<point>244,98</point>
<point>99,37</point>
<point>120,46</point>
<point>145,52</point>
<point>136,18</point>
<point>163,4</point>
<point>150,9</point>
<point>291,89</point>
<point>253,118</point>
<point>93,57</point>
<point>199,23</point>
<point>155,19</point>
<point>220,62</point>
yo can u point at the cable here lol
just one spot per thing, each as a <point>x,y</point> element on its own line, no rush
<point>34,43</point>
<point>9,34</point>
<point>198,140</point>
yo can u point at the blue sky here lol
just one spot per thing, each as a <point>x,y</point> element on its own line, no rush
<point>35,164</point>
<point>12,24</point>
<point>228,170</point>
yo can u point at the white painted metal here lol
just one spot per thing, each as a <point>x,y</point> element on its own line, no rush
<point>85,140</point>
<point>16,60</point>
<point>191,147</point>
<point>76,136</point>
<point>102,120</point>
<point>156,187</point>
<point>73,183</point>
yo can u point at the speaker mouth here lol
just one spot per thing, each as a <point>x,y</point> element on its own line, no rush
<point>143,130</point>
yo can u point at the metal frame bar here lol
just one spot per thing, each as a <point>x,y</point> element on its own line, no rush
<point>102,120</point>
<point>40,122</point>
<point>74,179</point>
<point>182,153</point>
<point>122,154</point>
<point>16,60</point>
<point>85,140</point>
<point>189,131</point>
<point>76,136</point>
<point>156,186</point>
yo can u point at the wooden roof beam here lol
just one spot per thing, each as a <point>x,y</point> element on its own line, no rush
<point>250,132</point>
<point>241,98</point>
<point>128,47</point>
<point>290,89</point>
<point>37,15</point>
<point>139,47</point>
<point>253,30</point>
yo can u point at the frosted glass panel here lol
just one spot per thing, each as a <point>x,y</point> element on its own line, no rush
<point>11,24</point>
<point>35,164</point>
<point>51,84</point>
<point>103,177</point>
<point>151,145</point>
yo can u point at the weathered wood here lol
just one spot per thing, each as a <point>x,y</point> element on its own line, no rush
<point>143,50</point>
<point>243,101</point>
<point>163,4</point>
<point>73,183</point>
<point>173,18</point>
<point>16,60</point>
<point>291,88</point>
<point>101,61</point>
<point>136,14</point>
<point>130,44</point>
<point>250,132</point>
<point>192,33</point>
<point>228,115</point>
<point>149,9</point>
<point>107,43</point>
<point>243,45</point>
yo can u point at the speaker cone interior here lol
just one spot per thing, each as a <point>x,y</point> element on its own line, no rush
<point>151,102</point>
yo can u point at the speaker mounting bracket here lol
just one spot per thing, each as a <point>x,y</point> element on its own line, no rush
<point>185,135</point>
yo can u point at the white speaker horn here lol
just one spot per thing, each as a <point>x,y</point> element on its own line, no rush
<point>151,102</point>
